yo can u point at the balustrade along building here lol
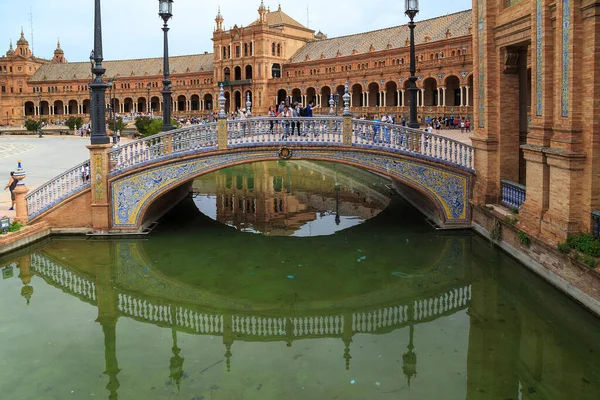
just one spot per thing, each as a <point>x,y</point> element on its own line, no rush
<point>526,73</point>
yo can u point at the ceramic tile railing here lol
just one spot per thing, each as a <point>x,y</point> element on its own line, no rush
<point>393,137</point>
<point>190,139</point>
<point>57,189</point>
<point>513,194</point>
<point>596,224</point>
<point>269,131</point>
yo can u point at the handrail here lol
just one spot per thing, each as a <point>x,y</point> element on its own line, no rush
<point>189,139</point>
<point>513,194</point>
<point>58,188</point>
<point>381,135</point>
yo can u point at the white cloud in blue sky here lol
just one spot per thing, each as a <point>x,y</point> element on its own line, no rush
<point>132,28</point>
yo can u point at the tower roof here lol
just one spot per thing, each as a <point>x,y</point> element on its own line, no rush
<point>58,49</point>
<point>279,18</point>
<point>219,17</point>
<point>22,41</point>
<point>10,51</point>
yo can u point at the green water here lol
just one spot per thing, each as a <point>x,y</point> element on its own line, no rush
<point>267,295</point>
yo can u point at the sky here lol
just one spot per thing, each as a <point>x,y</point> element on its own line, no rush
<point>132,28</point>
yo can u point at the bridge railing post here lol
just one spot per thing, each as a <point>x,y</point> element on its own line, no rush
<point>222,133</point>
<point>347,130</point>
<point>99,168</point>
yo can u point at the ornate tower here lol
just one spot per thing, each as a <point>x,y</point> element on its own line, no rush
<point>262,13</point>
<point>10,51</point>
<point>59,55</point>
<point>219,20</point>
<point>23,46</point>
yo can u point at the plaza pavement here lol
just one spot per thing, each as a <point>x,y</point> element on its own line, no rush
<point>45,158</point>
<point>42,159</point>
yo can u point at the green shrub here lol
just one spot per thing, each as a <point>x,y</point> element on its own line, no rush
<point>511,219</point>
<point>524,239</point>
<point>514,210</point>
<point>585,243</point>
<point>564,247</point>
<point>491,208</point>
<point>590,261</point>
<point>15,226</point>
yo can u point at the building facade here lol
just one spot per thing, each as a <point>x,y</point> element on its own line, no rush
<point>273,59</point>
<point>537,112</point>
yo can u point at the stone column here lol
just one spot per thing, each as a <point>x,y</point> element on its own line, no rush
<point>565,195</point>
<point>422,97</point>
<point>99,168</point>
<point>366,103</point>
<point>21,204</point>
<point>462,101</point>
<point>384,97</point>
<point>350,93</point>
<point>444,96</point>
<point>402,97</point>
<point>467,92</point>
<point>537,198</point>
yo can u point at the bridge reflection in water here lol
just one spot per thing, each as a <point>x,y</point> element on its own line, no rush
<point>284,198</point>
<point>506,359</point>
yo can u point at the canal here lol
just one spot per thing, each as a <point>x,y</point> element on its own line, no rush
<point>289,280</point>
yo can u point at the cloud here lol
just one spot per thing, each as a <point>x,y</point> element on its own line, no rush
<point>132,28</point>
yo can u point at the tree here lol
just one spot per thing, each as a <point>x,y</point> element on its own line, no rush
<point>74,123</point>
<point>32,125</point>
<point>120,124</point>
<point>142,124</point>
<point>147,126</point>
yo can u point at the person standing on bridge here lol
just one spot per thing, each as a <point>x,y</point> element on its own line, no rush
<point>12,184</point>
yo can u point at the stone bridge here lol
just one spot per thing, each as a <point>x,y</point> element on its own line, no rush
<point>132,185</point>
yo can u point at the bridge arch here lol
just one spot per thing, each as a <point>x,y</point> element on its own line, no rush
<point>134,191</point>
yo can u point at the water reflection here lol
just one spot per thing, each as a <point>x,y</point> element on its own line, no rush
<point>291,198</point>
<point>478,329</point>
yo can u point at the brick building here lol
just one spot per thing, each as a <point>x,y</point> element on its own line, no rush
<point>272,59</point>
<point>537,110</point>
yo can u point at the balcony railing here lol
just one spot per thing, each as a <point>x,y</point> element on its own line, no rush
<point>513,194</point>
<point>238,82</point>
<point>596,224</point>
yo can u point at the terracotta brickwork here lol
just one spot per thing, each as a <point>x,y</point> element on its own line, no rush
<point>272,59</point>
<point>558,158</point>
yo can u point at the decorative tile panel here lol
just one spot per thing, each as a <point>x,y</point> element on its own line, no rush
<point>98,186</point>
<point>480,47</point>
<point>132,194</point>
<point>566,44</point>
<point>539,56</point>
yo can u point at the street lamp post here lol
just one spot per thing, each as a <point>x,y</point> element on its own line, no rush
<point>165,10</point>
<point>40,113</point>
<point>411,10</point>
<point>112,92</point>
<point>98,86</point>
<point>148,102</point>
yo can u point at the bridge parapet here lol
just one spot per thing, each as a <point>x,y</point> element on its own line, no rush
<point>190,139</point>
<point>301,131</point>
<point>58,188</point>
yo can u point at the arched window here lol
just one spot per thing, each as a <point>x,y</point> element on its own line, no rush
<point>273,49</point>
<point>278,49</point>
<point>276,71</point>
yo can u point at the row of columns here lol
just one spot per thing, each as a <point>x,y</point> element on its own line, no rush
<point>464,97</point>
